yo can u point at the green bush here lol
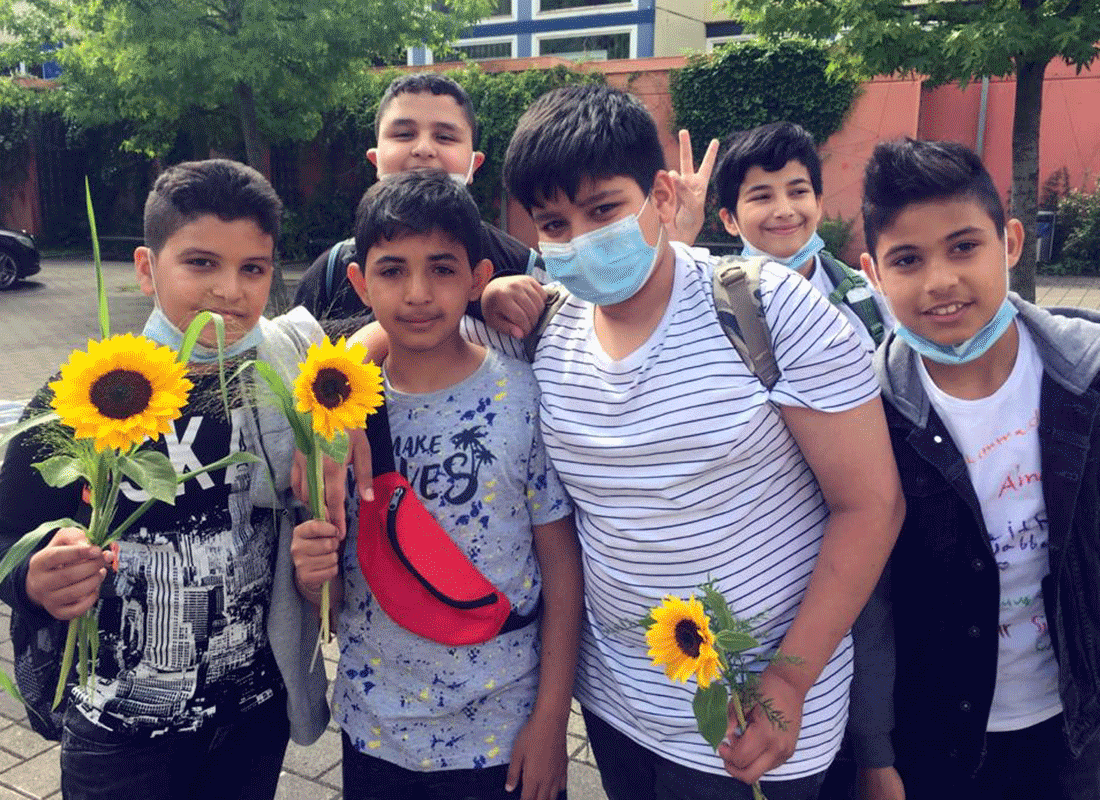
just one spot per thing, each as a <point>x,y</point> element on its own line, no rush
<point>835,231</point>
<point>1077,233</point>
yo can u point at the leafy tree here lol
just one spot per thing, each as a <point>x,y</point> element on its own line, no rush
<point>223,71</point>
<point>948,40</point>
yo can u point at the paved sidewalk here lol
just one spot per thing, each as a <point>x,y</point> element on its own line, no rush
<point>40,322</point>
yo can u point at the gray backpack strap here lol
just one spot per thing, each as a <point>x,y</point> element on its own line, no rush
<point>556,296</point>
<point>852,290</point>
<point>737,301</point>
<point>330,266</point>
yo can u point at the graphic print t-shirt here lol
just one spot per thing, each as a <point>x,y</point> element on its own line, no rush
<point>182,623</point>
<point>474,457</point>
<point>998,437</point>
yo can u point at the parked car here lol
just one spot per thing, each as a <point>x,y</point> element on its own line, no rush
<point>18,257</point>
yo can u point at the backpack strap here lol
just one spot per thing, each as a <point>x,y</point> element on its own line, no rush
<point>330,267</point>
<point>737,300</point>
<point>736,282</point>
<point>853,290</point>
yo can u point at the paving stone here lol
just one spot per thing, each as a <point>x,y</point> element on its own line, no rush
<point>312,761</point>
<point>38,777</point>
<point>293,787</point>
<point>23,742</point>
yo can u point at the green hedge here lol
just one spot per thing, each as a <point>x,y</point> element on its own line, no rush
<point>1076,234</point>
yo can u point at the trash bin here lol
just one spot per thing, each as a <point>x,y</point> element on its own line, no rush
<point>1044,236</point>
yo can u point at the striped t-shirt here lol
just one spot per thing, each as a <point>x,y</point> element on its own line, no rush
<point>682,470</point>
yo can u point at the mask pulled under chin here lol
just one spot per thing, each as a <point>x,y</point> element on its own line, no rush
<point>161,330</point>
<point>813,246</point>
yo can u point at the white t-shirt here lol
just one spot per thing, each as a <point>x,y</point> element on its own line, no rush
<point>998,437</point>
<point>681,470</point>
<point>820,281</point>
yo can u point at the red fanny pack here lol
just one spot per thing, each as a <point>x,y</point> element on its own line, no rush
<point>420,577</point>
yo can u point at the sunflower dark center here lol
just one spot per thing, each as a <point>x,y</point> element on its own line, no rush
<point>688,638</point>
<point>331,387</point>
<point>121,393</point>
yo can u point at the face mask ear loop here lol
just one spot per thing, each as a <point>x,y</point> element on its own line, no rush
<point>153,279</point>
<point>470,169</point>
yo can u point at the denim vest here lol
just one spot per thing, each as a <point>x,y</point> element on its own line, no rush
<point>946,592</point>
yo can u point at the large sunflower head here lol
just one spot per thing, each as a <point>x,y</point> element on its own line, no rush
<point>124,390</point>
<point>338,386</point>
<point>680,638</point>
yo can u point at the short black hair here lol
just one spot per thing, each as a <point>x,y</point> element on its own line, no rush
<point>907,171</point>
<point>577,132</point>
<point>770,147</point>
<point>417,202</point>
<point>420,82</point>
<point>227,189</point>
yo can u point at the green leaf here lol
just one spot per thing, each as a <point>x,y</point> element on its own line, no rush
<point>734,641</point>
<point>101,289</point>
<point>8,685</point>
<point>25,425</point>
<point>58,471</point>
<point>337,449</point>
<point>25,546</point>
<point>231,459</point>
<point>717,609</point>
<point>153,472</point>
<point>303,434</point>
<point>191,335</point>
<point>709,706</point>
<point>647,621</point>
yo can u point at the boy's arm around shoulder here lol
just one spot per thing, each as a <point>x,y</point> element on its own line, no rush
<point>539,753</point>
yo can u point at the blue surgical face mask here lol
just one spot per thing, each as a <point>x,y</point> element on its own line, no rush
<point>163,331</point>
<point>605,266</point>
<point>974,347</point>
<point>813,245</point>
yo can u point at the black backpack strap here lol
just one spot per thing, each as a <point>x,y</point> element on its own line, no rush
<point>737,301</point>
<point>381,442</point>
<point>853,290</point>
<point>556,296</point>
<point>330,267</point>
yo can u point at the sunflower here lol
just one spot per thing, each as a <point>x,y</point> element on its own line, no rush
<point>124,390</point>
<point>681,639</point>
<point>338,387</point>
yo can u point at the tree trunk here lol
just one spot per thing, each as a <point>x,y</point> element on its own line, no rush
<point>1025,167</point>
<point>256,152</point>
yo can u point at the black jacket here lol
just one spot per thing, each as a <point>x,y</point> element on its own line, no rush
<point>945,588</point>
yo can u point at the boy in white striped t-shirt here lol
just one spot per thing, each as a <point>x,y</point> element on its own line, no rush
<point>684,468</point>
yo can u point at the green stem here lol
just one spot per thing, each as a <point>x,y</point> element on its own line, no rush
<point>757,792</point>
<point>66,661</point>
<point>316,494</point>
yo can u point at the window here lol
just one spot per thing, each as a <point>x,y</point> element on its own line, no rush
<point>591,47</point>
<point>563,5</point>
<point>478,51</point>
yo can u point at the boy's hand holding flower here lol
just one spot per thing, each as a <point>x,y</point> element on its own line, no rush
<point>64,576</point>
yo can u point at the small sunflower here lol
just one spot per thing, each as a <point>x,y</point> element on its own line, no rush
<point>681,639</point>
<point>124,390</point>
<point>338,386</point>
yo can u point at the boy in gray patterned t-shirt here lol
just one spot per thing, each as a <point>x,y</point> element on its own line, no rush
<point>419,718</point>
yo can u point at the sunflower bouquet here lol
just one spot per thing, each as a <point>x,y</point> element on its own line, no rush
<point>109,401</point>
<point>702,637</point>
<point>337,388</point>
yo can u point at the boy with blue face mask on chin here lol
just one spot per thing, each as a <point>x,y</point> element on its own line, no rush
<point>991,404</point>
<point>683,467</point>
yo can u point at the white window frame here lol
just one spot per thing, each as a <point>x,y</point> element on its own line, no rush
<point>539,38</point>
<point>512,40</point>
<point>509,17</point>
<point>623,5</point>
<point>714,41</point>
